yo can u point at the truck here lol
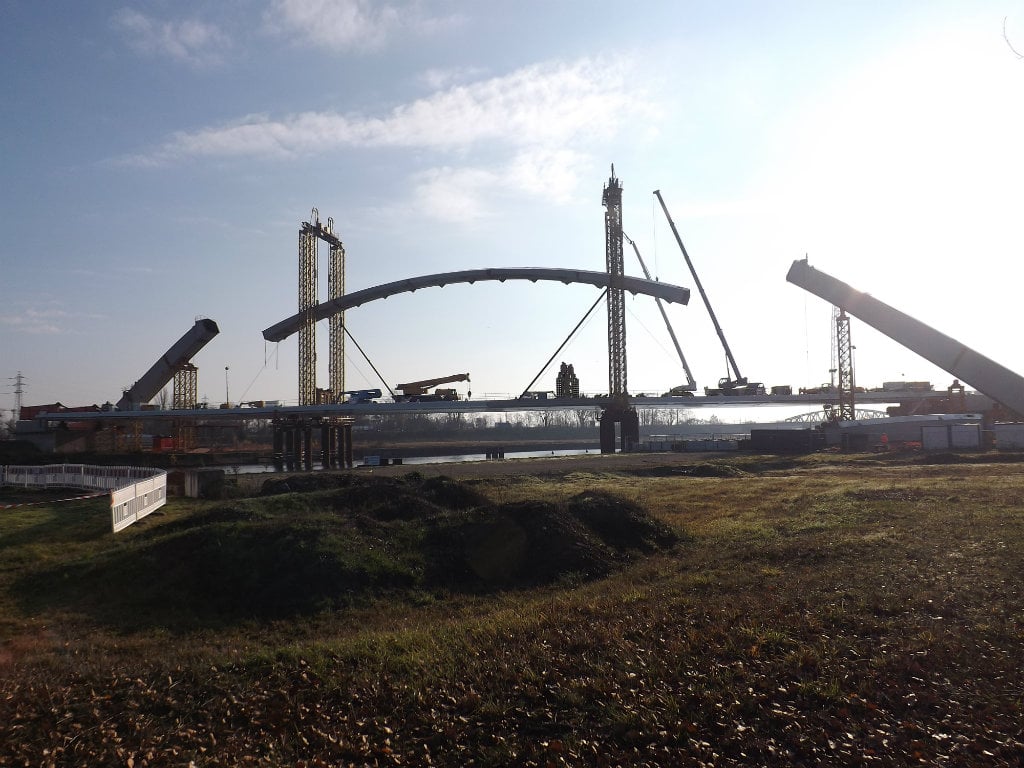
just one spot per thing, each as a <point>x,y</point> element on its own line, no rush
<point>735,388</point>
<point>418,391</point>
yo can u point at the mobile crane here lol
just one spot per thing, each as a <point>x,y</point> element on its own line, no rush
<point>738,384</point>
<point>416,391</point>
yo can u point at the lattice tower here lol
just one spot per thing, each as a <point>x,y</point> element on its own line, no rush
<point>612,201</point>
<point>844,367</point>
<point>307,303</point>
<point>185,391</point>
<point>185,396</point>
<point>335,290</point>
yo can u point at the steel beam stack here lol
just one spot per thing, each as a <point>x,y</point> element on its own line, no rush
<point>614,264</point>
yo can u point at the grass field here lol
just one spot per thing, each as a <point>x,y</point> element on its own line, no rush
<point>752,611</point>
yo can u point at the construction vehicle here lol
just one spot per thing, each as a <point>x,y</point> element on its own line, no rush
<point>735,388</point>
<point>683,390</point>
<point>417,391</point>
<point>357,396</point>
<point>738,384</point>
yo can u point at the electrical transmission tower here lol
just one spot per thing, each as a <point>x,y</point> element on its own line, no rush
<point>19,390</point>
<point>310,234</point>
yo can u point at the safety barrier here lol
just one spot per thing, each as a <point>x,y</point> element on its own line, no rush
<point>134,491</point>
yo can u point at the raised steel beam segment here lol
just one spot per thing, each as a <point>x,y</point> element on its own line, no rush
<point>664,291</point>
<point>163,370</point>
<point>987,376</point>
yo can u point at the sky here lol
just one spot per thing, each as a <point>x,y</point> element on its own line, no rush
<point>158,158</point>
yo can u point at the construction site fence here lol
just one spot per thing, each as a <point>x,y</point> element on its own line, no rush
<point>134,491</point>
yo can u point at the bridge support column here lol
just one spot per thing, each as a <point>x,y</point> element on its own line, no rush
<point>629,428</point>
<point>278,455</point>
<point>326,446</point>
<point>307,446</point>
<point>346,445</point>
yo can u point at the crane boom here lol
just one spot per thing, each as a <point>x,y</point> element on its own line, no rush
<point>738,379</point>
<point>690,384</point>
<point>420,387</point>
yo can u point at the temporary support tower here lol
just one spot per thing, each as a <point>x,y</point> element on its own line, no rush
<point>614,264</point>
<point>185,396</point>
<point>844,367</point>
<point>310,234</point>
<point>618,411</point>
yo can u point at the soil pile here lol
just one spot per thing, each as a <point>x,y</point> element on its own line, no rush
<point>290,553</point>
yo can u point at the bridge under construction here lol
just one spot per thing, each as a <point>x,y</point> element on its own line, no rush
<point>324,416</point>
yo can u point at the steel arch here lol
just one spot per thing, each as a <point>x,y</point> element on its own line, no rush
<point>634,285</point>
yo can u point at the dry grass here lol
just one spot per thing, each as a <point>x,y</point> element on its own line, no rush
<point>829,611</point>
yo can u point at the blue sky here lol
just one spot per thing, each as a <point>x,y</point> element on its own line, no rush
<point>157,159</point>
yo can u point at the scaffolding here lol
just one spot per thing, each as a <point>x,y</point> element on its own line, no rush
<point>336,338</point>
<point>844,366</point>
<point>614,264</point>
<point>185,397</point>
<point>310,234</point>
<point>618,410</point>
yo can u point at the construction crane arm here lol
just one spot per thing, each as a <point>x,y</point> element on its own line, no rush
<point>419,387</point>
<point>738,379</point>
<point>690,384</point>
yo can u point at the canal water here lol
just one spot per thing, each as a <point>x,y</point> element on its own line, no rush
<point>415,460</point>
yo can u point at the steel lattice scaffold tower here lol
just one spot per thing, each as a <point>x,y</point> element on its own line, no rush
<point>614,264</point>
<point>185,396</point>
<point>310,235</point>
<point>618,411</point>
<point>844,366</point>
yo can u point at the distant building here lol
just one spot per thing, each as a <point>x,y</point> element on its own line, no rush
<point>567,384</point>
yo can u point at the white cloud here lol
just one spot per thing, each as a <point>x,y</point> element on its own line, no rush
<point>190,41</point>
<point>453,194</point>
<point>35,321</point>
<point>465,194</point>
<point>548,105</point>
<point>529,131</point>
<point>352,25</point>
<point>436,79</point>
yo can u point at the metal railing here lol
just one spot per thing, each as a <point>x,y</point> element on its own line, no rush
<point>134,491</point>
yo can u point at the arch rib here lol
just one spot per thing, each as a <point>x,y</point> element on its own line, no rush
<point>634,285</point>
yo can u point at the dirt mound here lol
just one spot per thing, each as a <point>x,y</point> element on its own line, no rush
<point>531,543</point>
<point>620,524</point>
<point>283,555</point>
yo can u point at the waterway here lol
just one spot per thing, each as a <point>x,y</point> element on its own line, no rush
<point>414,460</point>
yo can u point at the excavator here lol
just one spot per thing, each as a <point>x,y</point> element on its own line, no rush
<point>416,391</point>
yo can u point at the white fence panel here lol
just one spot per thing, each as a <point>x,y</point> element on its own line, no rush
<point>134,491</point>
